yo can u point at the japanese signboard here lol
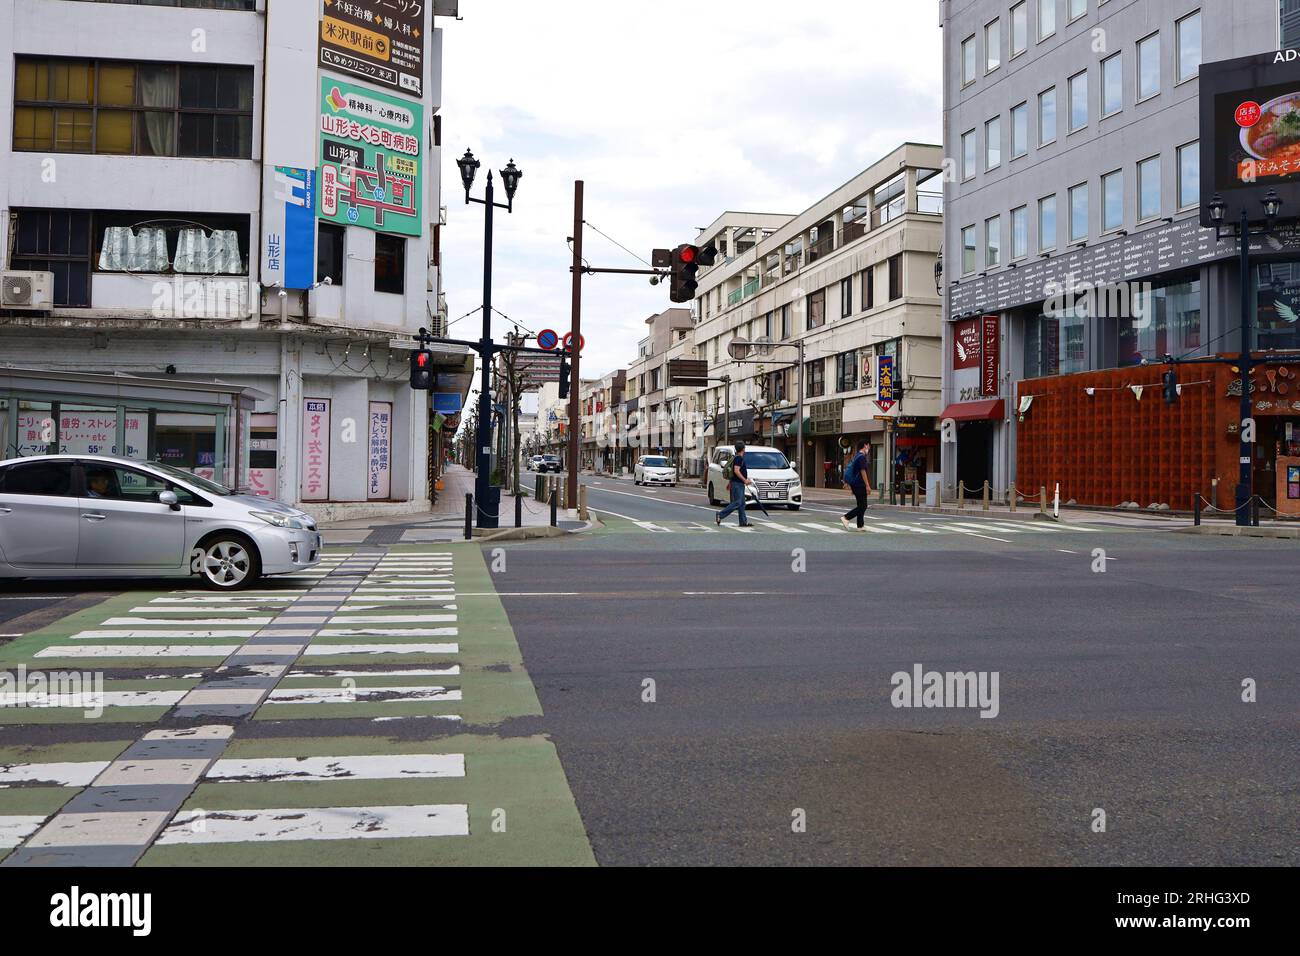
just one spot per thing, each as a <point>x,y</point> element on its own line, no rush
<point>379,450</point>
<point>381,41</point>
<point>370,155</point>
<point>884,382</point>
<point>1250,134</point>
<point>966,344</point>
<point>81,433</point>
<point>990,352</point>
<point>289,228</point>
<point>315,449</point>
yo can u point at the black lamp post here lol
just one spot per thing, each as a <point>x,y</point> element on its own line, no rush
<point>1272,204</point>
<point>486,496</point>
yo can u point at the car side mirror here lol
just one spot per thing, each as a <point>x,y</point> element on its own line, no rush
<point>169,499</point>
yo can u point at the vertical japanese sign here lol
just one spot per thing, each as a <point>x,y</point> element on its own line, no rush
<point>965,344</point>
<point>289,228</point>
<point>315,449</point>
<point>381,41</point>
<point>370,155</point>
<point>378,452</point>
<point>990,344</point>
<point>885,382</point>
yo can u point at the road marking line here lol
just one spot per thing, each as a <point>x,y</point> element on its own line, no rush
<point>154,621</point>
<point>15,829</point>
<point>387,632</point>
<point>103,635</point>
<point>975,535</point>
<point>89,698</point>
<point>330,650</point>
<point>78,773</point>
<point>379,767</point>
<point>450,670</point>
<point>358,695</point>
<point>821,527</point>
<point>778,526</point>
<point>907,527</point>
<point>390,618</point>
<point>324,823</point>
<point>138,650</point>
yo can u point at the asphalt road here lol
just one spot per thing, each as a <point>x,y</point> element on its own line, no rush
<point>1118,692</point>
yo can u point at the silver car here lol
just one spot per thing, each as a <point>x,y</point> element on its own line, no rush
<point>96,516</point>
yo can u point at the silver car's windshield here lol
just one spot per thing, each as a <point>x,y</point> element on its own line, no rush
<point>657,463</point>
<point>199,482</point>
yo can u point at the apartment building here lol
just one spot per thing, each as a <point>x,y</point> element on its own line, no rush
<point>657,415</point>
<point>852,280</point>
<point>228,191</point>
<point>1073,127</point>
<point>602,438</point>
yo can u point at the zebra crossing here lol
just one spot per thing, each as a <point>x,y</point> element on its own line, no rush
<point>875,525</point>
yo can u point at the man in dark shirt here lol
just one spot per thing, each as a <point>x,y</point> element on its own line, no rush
<point>739,478</point>
<point>856,476</point>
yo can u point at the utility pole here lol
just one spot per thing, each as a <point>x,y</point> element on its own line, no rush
<point>575,329</point>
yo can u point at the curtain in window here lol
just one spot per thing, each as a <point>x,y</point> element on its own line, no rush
<point>158,89</point>
<point>203,254</point>
<point>124,250</point>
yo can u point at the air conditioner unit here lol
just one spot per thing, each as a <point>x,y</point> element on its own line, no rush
<point>26,290</point>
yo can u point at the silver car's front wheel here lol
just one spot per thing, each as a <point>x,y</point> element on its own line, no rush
<point>227,563</point>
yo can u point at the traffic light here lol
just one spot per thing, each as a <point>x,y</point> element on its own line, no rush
<point>422,369</point>
<point>685,263</point>
<point>1170,386</point>
<point>564,373</point>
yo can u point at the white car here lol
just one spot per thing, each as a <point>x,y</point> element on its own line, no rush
<point>775,481</point>
<point>102,517</point>
<point>654,470</point>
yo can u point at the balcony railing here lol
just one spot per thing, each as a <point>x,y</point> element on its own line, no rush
<point>820,248</point>
<point>750,288</point>
<point>735,296</point>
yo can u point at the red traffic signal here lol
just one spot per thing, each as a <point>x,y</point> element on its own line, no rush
<point>687,253</point>
<point>422,369</point>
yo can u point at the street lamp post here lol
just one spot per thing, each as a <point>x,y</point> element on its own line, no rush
<point>487,498</point>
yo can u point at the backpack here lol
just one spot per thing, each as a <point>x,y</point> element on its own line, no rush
<point>853,473</point>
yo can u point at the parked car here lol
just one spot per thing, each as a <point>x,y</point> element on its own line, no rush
<point>98,516</point>
<point>549,463</point>
<point>534,461</point>
<point>775,481</point>
<point>654,470</point>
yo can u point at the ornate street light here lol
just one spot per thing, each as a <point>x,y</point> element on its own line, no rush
<point>468,167</point>
<point>510,177</point>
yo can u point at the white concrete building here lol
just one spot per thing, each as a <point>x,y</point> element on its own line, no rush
<point>234,191</point>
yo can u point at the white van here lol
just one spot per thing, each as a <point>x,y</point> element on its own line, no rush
<point>775,480</point>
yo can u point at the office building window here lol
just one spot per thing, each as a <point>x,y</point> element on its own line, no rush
<point>1148,188</point>
<point>56,241</point>
<point>968,154</point>
<point>1112,201</point>
<point>1019,28</point>
<point>1188,37</point>
<point>1078,8</point>
<point>138,109</point>
<point>816,303</point>
<point>1046,116</point>
<point>968,60</point>
<point>846,371</point>
<point>869,287</point>
<point>815,376</point>
<point>993,143</point>
<point>992,242</point>
<point>1055,345</point>
<point>1019,232</point>
<point>390,264</point>
<point>846,298</point>
<point>1149,66</point>
<point>1112,84</point>
<point>1019,130</point>
<point>895,277</point>
<point>1079,212</point>
<point>1189,175</point>
<point>329,252</point>
<point>1046,18</point>
<point>1047,224</point>
<point>968,250</point>
<point>785,327</point>
<point>1164,320</point>
<point>992,46</point>
<point>1078,87</point>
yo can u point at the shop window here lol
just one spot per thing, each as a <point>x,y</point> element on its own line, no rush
<point>1055,345</point>
<point>140,109</point>
<point>87,430</point>
<point>390,264</point>
<point>187,441</point>
<point>329,252</point>
<point>1164,321</point>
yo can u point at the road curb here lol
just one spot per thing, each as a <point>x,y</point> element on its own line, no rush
<point>1239,532</point>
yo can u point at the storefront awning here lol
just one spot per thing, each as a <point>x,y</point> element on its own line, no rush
<point>991,408</point>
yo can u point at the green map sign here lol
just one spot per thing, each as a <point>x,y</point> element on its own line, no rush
<point>370,155</point>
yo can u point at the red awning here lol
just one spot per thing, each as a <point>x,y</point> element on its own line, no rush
<point>974,411</point>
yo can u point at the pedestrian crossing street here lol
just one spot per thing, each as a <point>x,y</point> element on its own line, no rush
<point>372,639</point>
<point>998,529</point>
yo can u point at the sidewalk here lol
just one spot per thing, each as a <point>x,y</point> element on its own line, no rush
<point>446,520</point>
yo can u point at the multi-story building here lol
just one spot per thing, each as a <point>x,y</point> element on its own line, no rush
<point>229,192</point>
<point>1073,127</point>
<point>602,439</point>
<point>656,413</point>
<point>851,279</point>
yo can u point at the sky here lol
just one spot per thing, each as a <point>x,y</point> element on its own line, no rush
<point>671,113</point>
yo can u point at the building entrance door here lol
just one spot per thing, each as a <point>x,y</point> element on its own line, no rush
<point>975,456</point>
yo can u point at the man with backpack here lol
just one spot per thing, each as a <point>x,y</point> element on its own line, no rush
<point>855,474</point>
<point>739,478</point>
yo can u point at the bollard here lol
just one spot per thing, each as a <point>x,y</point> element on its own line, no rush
<point>469,516</point>
<point>582,502</point>
<point>915,502</point>
<point>519,510</point>
<point>1012,495</point>
<point>1042,499</point>
<point>987,492</point>
<point>1196,509</point>
<point>961,495</point>
<point>554,501</point>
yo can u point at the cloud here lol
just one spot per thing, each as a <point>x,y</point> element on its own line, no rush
<point>670,119</point>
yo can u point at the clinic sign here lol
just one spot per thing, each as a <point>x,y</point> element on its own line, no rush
<point>379,41</point>
<point>370,156</point>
